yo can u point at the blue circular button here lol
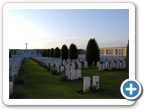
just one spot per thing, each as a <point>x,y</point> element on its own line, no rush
<point>131,89</point>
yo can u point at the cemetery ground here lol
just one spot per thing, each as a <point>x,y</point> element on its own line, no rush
<point>41,84</point>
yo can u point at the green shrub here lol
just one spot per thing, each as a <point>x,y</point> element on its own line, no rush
<point>93,88</point>
<point>61,73</point>
<point>54,71</point>
<point>19,80</point>
<point>64,77</point>
<point>44,65</point>
<point>48,69</point>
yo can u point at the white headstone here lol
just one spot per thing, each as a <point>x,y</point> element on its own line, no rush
<point>67,67</point>
<point>72,74</point>
<point>97,64</point>
<point>100,67</point>
<point>96,81</point>
<point>85,64</point>
<point>79,65</point>
<point>121,65</point>
<point>118,65</point>
<point>93,63</point>
<point>72,67</point>
<point>67,72</point>
<point>10,87</point>
<point>62,68</point>
<point>57,68</point>
<point>14,74</point>
<point>78,73</point>
<point>114,65</point>
<point>108,66</point>
<point>124,65</point>
<point>111,65</point>
<point>86,83</point>
<point>104,67</point>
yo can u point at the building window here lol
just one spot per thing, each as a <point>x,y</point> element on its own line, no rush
<point>116,51</point>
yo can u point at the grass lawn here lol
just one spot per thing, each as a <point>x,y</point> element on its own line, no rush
<point>41,84</point>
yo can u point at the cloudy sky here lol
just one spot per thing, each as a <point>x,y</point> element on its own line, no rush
<point>50,28</point>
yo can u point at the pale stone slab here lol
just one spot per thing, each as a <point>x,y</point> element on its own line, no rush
<point>104,67</point>
<point>10,87</point>
<point>14,74</point>
<point>93,63</point>
<point>97,64</point>
<point>111,65</point>
<point>57,68</point>
<point>67,67</point>
<point>62,68</point>
<point>118,65</point>
<point>67,72</point>
<point>79,65</point>
<point>121,65</point>
<point>124,65</point>
<point>100,67</point>
<point>114,65</point>
<point>85,64</point>
<point>78,73</point>
<point>86,83</point>
<point>72,73</point>
<point>95,80</point>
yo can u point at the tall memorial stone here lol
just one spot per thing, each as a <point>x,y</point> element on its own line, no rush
<point>86,83</point>
<point>96,81</point>
<point>78,73</point>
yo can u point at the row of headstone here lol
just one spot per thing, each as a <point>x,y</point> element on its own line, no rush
<point>103,57</point>
<point>73,74</point>
<point>111,66</point>
<point>14,65</point>
<point>68,64</point>
<point>87,82</point>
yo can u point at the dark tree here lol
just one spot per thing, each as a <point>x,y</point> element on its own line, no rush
<point>57,52</point>
<point>48,52</point>
<point>73,52</point>
<point>64,52</point>
<point>51,52</point>
<point>42,53</point>
<point>127,56</point>
<point>45,53</point>
<point>92,51</point>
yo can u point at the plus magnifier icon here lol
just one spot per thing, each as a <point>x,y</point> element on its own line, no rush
<point>131,89</point>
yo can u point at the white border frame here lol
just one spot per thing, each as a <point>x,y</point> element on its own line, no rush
<point>8,6</point>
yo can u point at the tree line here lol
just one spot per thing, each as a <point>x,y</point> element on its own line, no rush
<point>92,52</point>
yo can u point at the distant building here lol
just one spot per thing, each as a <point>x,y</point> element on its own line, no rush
<point>120,51</point>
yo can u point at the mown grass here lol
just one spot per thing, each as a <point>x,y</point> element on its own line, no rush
<point>41,84</point>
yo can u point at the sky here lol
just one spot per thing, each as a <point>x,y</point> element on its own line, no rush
<point>51,28</point>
